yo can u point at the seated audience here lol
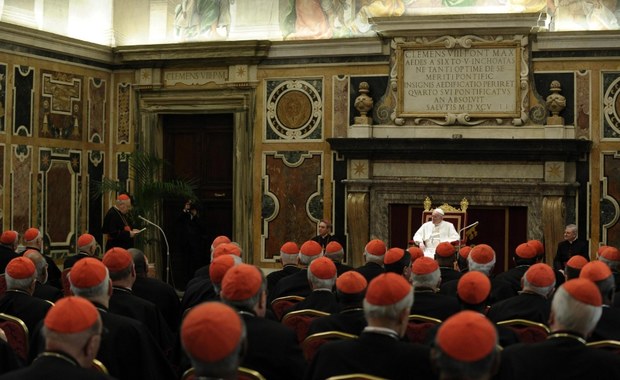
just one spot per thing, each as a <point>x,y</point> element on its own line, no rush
<point>575,310</point>
<point>128,349</point>
<point>87,247</point>
<point>533,302</point>
<point>397,260</point>
<point>73,331</point>
<point>350,292</point>
<point>289,256</point>
<point>18,300</point>
<point>574,266</point>
<point>322,278</point>
<point>373,259</point>
<point>445,255</point>
<point>524,257</point>
<point>297,283</point>
<point>379,350</point>
<point>608,327</point>
<point>335,253</point>
<point>426,277</point>
<point>272,347</point>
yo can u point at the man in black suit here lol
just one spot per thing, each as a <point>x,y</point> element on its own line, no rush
<point>273,348</point>
<point>608,327</point>
<point>128,349</point>
<point>575,310</point>
<point>123,275</point>
<point>18,300</point>
<point>297,283</point>
<point>374,252</point>
<point>482,259</point>
<point>289,257</point>
<point>571,245</point>
<point>33,239</point>
<point>325,233</point>
<point>152,289</point>
<point>379,350</point>
<point>533,302</point>
<point>397,260</point>
<point>426,277</point>
<point>350,292</point>
<point>322,278</point>
<point>42,289</point>
<point>73,331</point>
<point>445,255</point>
<point>335,253</point>
<point>87,247</point>
<point>525,255</point>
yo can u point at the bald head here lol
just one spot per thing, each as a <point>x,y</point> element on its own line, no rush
<point>39,263</point>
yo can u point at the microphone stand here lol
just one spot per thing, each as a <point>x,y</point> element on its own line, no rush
<point>167,247</point>
<point>474,224</point>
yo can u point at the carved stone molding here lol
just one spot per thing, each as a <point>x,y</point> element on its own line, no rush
<point>358,225</point>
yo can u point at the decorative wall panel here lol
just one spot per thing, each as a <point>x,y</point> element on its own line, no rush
<point>340,118</point>
<point>610,198</point>
<point>611,105</point>
<point>23,100</point>
<point>2,97</point>
<point>583,123</point>
<point>21,188</point>
<point>294,109</point>
<point>94,205</point>
<point>59,181</point>
<point>292,191</point>
<point>96,110</point>
<point>122,169</point>
<point>61,105</point>
<point>123,121</point>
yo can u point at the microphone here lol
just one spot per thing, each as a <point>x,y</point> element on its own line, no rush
<point>468,227</point>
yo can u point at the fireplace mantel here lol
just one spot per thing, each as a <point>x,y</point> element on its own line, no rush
<point>462,149</point>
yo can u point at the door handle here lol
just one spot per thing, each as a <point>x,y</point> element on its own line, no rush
<point>219,195</point>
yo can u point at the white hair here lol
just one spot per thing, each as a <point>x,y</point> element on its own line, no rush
<point>485,268</point>
<point>391,312</point>
<point>321,283</point>
<point>613,265</point>
<point>574,315</point>
<point>540,290</point>
<point>429,280</point>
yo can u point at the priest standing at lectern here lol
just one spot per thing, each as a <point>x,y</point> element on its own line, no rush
<point>434,232</point>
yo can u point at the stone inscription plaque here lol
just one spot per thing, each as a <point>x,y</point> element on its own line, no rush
<point>476,81</point>
<point>195,77</point>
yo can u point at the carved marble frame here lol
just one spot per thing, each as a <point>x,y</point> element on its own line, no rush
<point>520,42</point>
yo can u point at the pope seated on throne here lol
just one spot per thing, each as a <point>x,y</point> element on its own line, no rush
<point>435,229</point>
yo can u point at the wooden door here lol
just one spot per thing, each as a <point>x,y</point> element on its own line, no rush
<point>199,147</point>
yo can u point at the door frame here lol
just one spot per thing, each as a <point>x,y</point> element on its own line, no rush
<point>153,103</point>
